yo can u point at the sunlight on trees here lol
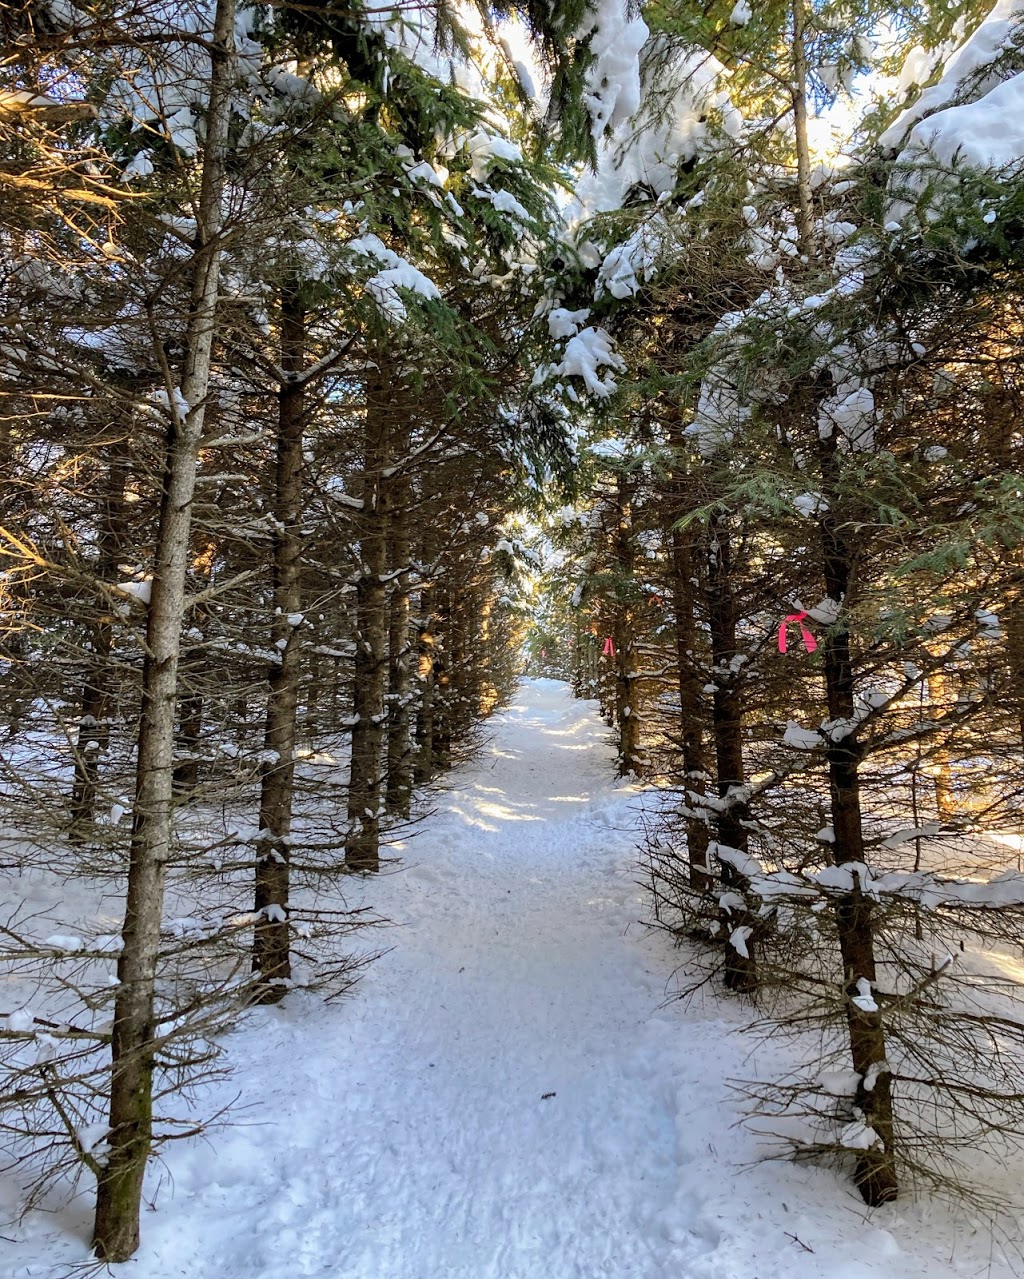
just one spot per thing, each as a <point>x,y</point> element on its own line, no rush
<point>354,361</point>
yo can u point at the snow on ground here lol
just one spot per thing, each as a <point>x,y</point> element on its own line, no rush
<point>507,1095</point>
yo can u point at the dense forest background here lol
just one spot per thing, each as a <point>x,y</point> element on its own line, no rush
<point>354,358</point>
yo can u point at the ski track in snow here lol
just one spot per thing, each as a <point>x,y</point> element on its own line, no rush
<point>403,1133</point>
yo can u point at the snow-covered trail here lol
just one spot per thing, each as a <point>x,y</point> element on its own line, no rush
<point>507,1095</point>
<point>484,1108</point>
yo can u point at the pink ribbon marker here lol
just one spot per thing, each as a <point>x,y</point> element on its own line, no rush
<point>810,643</point>
<point>609,647</point>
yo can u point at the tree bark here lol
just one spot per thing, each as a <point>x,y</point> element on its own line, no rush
<point>444,661</point>
<point>805,221</point>
<point>690,684</point>
<point>398,798</point>
<point>313,685</point>
<point>1013,621</point>
<point>727,724</point>
<point>119,1192</point>
<point>97,692</point>
<point>876,1168</point>
<point>191,708</point>
<point>426,644</point>
<point>1003,418</point>
<point>607,681</point>
<point>458,694</point>
<point>362,847</point>
<point>627,712</point>
<point>940,766</point>
<point>271,958</point>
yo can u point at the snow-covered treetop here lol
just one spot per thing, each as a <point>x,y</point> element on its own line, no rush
<point>972,69</point>
<point>971,119</point>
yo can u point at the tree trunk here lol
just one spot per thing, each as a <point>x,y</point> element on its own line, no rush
<point>606,681</point>
<point>313,686</point>
<point>398,798</point>
<point>1003,426</point>
<point>691,728</point>
<point>627,719</point>
<point>191,707</point>
<point>1013,621</point>
<point>119,1193</point>
<point>805,220</point>
<point>473,605</point>
<point>362,847</point>
<point>592,660</point>
<point>443,663</point>
<point>941,768</point>
<point>876,1168</point>
<point>739,923</point>
<point>426,644</point>
<point>459,678</point>
<point>271,957</point>
<point>627,711</point>
<point>488,689</point>
<point>93,737</point>
<point>97,692</point>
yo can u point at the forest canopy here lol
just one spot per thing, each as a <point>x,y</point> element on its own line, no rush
<point>354,357</point>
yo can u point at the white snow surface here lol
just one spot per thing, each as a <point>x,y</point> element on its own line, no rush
<point>405,1133</point>
<point>971,118</point>
<point>971,67</point>
<point>586,354</point>
<point>647,145</point>
<point>613,90</point>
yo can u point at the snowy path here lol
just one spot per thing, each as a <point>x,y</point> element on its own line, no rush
<point>429,1148</point>
<point>406,1133</point>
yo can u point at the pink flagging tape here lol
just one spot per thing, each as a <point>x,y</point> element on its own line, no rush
<point>810,643</point>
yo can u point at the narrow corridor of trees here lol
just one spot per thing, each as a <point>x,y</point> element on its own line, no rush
<point>345,369</point>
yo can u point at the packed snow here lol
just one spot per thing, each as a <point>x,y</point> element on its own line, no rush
<point>509,1093</point>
